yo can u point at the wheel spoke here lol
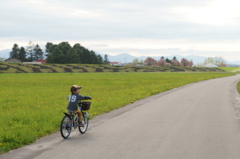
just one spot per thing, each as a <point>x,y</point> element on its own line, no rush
<point>82,130</point>
<point>65,127</point>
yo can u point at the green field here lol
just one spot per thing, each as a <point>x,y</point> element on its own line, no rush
<point>32,105</point>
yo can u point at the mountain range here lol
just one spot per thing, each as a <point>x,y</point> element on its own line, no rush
<point>127,58</point>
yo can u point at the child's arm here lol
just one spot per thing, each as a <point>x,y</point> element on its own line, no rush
<point>85,97</point>
<point>88,97</point>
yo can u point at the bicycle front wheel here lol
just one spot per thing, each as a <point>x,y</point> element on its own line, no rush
<point>83,129</point>
<point>65,127</point>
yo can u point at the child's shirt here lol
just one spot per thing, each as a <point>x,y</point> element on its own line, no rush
<point>73,102</point>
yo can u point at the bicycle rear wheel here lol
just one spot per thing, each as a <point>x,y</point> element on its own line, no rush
<point>82,130</point>
<point>65,127</point>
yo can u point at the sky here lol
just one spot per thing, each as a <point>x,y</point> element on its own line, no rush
<point>138,27</point>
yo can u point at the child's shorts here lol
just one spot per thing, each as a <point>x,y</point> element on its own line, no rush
<point>78,112</point>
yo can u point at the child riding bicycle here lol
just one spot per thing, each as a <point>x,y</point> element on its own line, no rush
<point>73,99</point>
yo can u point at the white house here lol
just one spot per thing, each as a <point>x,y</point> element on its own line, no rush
<point>139,64</point>
<point>211,65</point>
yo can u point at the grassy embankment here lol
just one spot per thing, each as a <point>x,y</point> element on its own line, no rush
<point>32,105</point>
<point>80,68</point>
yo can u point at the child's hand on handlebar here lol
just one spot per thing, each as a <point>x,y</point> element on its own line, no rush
<point>89,97</point>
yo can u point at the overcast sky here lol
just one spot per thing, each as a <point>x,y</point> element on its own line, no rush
<point>137,27</point>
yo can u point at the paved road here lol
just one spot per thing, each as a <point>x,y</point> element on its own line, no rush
<point>197,121</point>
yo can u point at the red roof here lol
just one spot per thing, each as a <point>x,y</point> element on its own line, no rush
<point>113,62</point>
<point>42,61</point>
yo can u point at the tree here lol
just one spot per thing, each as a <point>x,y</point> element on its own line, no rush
<point>161,62</point>
<point>77,46</point>
<point>29,49</point>
<point>135,62</point>
<point>222,64</point>
<point>150,61</point>
<point>65,47</point>
<point>22,54</point>
<point>209,60</point>
<point>218,60</point>
<point>93,57</point>
<point>72,56</point>
<point>37,53</point>
<point>56,56</point>
<point>100,59</point>
<point>48,48</point>
<point>15,52</point>
<point>83,56</point>
<point>175,63</point>
<point>168,61</point>
<point>105,59</point>
<point>214,60</point>
<point>190,63</point>
<point>174,58</point>
<point>184,62</point>
<point>79,50</point>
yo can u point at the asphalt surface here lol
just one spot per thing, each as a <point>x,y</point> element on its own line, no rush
<point>196,121</point>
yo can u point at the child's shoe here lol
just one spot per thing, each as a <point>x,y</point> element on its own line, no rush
<point>81,124</point>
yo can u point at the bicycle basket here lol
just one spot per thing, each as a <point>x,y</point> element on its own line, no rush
<point>85,105</point>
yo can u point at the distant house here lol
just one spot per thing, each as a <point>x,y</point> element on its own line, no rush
<point>139,64</point>
<point>41,60</point>
<point>113,63</point>
<point>13,60</point>
<point>211,65</point>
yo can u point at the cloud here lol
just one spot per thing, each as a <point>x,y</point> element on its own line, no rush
<point>183,44</point>
<point>137,27</point>
<point>101,19</point>
<point>217,12</point>
<point>228,49</point>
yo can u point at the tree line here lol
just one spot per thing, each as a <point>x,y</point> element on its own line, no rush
<point>30,53</point>
<point>218,61</point>
<point>62,53</point>
<point>149,61</point>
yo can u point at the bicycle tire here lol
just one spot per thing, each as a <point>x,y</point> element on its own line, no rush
<point>85,119</point>
<point>65,127</point>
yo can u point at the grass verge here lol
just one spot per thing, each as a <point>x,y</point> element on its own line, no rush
<point>229,69</point>
<point>238,87</point>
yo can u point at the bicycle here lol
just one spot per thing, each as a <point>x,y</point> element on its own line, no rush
<point>70,120</point>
